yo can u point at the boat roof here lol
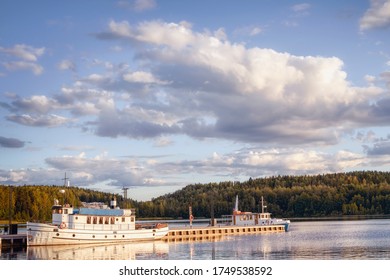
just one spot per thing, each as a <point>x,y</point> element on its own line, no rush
<point>104,212</point>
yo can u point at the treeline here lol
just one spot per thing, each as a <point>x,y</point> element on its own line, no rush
<point>353,193</point>
<point>33,203</point>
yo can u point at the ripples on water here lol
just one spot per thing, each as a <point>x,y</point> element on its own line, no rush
<point>361,239</point>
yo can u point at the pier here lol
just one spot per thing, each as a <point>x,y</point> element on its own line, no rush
<point>13,240</point>
<point>194,233</point>
<point>205,233</point>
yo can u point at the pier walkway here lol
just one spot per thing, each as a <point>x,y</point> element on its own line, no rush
<point>200,233</point>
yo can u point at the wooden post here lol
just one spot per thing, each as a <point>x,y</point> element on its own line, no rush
<point>190,215</point>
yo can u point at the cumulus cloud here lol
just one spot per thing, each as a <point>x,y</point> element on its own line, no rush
<point>119,172</point>
<point>202,85</point>
<point>253,162</point>
<point>24,65</point>
<point>24,52</point>
<point>6,142</point>
<point>377,16</point>
<point>38,120</point>
<point>252,94</point>
<point>143,77</point>
<point>159,171</point>
<point>28,55</point>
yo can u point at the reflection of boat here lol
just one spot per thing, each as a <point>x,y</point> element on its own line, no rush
<point>92,224</point>
<point>122,251</point>
<point>240,218</point>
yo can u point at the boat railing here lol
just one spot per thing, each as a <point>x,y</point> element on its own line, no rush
<point>226,219</point>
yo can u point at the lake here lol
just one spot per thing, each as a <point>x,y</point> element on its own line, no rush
<point>307,240</point>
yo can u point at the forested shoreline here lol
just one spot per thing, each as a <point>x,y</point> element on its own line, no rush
<point>352,193</point>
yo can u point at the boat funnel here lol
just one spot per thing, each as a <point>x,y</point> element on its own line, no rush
<point>113,203</point>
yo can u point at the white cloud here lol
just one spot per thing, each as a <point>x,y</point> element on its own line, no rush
<point>143,77</point>
<point>213,88</point>
<point>119,172</point>
<point>377,16</point>
<point>67,65</point>
<point>250,94</point>
<point>28,55</point>
<point>172,34</point>
<point>38,120</point>
<point>24,52</point>
<point>24,65</point>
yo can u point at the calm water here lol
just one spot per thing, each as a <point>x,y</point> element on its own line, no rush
<point>359,239</point>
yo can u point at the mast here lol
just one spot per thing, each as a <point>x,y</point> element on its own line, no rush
<point>125,196</point>
<point>262,205</point>
<point>66,181</point>
<point>236,205</point>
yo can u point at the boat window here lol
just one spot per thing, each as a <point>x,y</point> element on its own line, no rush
<point>112,220</point>
<point>106,220</point>
<point>95,220</point>
<point>65,211</point>
<point>123,219</point>
<point>88,219</point>
<point>132,219</point>
<point>101,220</point>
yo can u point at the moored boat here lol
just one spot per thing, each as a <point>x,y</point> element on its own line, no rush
<point>239,218</point>
<point>92,224</point>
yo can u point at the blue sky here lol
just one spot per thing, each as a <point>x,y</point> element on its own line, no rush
<point>154,95</point>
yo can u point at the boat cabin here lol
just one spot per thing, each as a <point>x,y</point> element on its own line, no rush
<point>248,218</point>
<point>240,218</point>
<point>66,216</point>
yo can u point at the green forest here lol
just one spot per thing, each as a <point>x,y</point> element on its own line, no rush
<point>326,195</point>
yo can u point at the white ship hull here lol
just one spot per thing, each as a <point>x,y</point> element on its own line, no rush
<point>40,234</point>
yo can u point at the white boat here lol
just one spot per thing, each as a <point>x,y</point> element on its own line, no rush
<point>92,224</point>
<point>239,218</point>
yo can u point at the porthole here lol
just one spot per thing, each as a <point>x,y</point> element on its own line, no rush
<point>123,236</point>
<point>105,236</point>
<point>93,236</point>
<point>74,235</point>
<point>57,234</point>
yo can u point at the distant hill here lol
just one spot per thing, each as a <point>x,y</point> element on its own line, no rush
<point>363,192</point>
<point>352,193</point>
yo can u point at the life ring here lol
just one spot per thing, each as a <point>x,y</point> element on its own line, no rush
<point>62,225</point>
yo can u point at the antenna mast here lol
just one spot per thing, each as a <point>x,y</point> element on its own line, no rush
<point>66,181</point>
<point>125,196</point>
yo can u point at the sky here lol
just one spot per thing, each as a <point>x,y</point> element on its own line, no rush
<point>154,95</point>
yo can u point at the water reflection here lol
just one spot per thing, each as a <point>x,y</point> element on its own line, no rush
<point>123,251</point>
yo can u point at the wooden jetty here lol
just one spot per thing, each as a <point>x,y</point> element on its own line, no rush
<point>200,233</point>
<point>13,240</point>
<point>195,233</point>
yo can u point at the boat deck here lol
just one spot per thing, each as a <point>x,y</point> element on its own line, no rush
<point>194,233</point>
